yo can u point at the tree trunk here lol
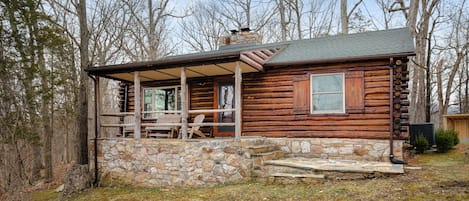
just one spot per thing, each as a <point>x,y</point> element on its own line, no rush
<point>283,21</point>
<point>343,16</point>
<point>83,101</point>
<point>439,82</point>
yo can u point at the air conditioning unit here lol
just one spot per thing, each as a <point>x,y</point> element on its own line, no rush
<point>425,129</point>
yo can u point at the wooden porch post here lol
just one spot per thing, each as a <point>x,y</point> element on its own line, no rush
<point>137,109</point>
<point>238,78</point>
<point>184,105</point>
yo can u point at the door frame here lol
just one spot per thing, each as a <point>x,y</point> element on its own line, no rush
<point>216,84</point>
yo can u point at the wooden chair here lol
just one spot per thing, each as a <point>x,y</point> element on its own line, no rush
<point>169,131</point>
<point>195,129</point>
<point>129,126</point>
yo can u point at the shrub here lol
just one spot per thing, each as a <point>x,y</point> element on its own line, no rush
<point>444,140</point>
<point>421,144</point>
<point>454,134</point>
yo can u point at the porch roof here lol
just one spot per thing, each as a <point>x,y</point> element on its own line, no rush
<point>253,58</point>
<point>213,63</point>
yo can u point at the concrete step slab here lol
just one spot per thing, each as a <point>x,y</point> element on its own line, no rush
<point>338,165</point>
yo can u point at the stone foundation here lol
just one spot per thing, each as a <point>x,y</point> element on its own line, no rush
<point>208,162</point>
<point>338,148</point>
<point>167,162</point>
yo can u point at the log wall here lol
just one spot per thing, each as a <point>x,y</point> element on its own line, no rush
<point>268,105</point>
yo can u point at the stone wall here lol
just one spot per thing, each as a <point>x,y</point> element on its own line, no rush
<point>339,148</point>
<point>208,162</point>
<point>167,162</point>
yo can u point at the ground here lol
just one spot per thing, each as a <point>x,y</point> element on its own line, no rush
<point>442,177</point>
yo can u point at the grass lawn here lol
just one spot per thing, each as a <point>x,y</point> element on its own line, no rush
<point>442,177</point>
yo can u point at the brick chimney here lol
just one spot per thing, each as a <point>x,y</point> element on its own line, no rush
<point>243,36</point>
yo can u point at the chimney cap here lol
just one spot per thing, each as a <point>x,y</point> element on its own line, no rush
<point>246,29</point>
<point>234,31</point>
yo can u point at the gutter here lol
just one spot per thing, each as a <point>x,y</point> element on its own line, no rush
<point>95,182</point>
<point>391,116</point>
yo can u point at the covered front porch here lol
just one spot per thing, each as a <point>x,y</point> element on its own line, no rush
<point>161,90</point>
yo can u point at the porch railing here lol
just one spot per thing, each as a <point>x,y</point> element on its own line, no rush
<point>124,114</point>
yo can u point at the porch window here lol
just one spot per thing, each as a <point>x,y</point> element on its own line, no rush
<point>327,93</point>
<point>161,98</point>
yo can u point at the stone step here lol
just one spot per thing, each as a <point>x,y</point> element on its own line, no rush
<point>338,165</point>
<point>269,156</point>
<point>281,174</point>
<point>247,141</point>
<point>263,148</point>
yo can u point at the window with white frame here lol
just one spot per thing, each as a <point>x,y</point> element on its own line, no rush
<point>327,93</point>
<point>161,99</point>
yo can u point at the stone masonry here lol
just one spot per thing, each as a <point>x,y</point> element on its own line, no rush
<point>167,162</point>
<point>338,148</point>
<point>208,162</point>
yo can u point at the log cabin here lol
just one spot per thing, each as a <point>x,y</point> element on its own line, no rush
<point>346,88</point>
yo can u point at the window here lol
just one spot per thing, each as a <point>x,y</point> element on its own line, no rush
<point>327,93</point>
<point>161,98</point>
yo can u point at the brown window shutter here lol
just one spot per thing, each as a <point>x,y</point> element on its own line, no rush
<point>354,92</point>
<point>301,94</point>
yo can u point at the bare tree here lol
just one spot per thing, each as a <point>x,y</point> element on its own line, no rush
<point>320,18</point>
<point>420,33</point>
<point>202,28</point>
<point>456,51</point>
<point>385,6</point>
<point>345,15</point>
<point>147,38</point>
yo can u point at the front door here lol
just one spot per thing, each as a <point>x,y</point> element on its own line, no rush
<point>224,99</point>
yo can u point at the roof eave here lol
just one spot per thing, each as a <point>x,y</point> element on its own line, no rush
<point>338,60</point>
<point>166,63</point>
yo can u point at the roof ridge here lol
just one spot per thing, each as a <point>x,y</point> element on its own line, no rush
<point>344,35</point>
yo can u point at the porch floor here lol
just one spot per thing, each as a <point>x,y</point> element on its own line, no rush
<point>338,165</point>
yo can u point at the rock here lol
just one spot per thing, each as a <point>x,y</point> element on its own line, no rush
<point>217,156</point>
<point>230,170</point>
<point>77,178</point>
<point>229,150</point>
<point>316,149</point>
<point>233,160</point>
<point>207,165</point>
<point>360,151</point>
<point>296,147</point>
<point>305,147</point>
<point>60,188</point>
<point>218,170</point>
<point>207,150</point>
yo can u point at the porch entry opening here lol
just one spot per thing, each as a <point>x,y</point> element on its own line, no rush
<point>224,99</point>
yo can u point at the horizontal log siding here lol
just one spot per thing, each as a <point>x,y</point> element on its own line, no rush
<point>268,108</point>
<point>201,97</point>
<point>268,104</point>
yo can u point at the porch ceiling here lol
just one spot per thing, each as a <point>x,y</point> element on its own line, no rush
<point>191,72</point>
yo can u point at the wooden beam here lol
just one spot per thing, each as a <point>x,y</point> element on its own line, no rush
<point>238,79</point>
<point>184,104</point>
<point>138,109</point>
